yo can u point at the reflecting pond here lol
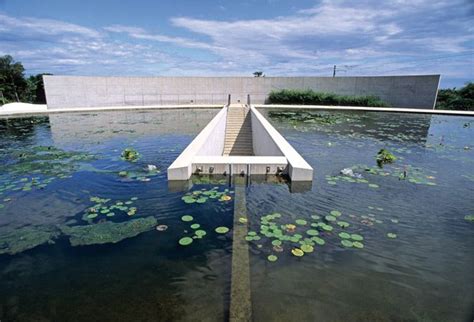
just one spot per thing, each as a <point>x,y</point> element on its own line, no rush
<point>90,232</point>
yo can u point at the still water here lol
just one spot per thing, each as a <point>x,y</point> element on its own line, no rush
<point>78,237</point>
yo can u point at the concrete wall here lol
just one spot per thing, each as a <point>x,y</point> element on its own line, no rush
<point>79,91</point>
<point>263,143</point>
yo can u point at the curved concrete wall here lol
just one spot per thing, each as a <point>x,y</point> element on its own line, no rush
<point>80,91</point>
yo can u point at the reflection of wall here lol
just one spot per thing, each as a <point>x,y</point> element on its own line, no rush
<point>78,91</point>
<point>103,125</point>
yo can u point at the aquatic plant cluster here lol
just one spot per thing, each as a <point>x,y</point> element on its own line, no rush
<point>308,117</point>
<point>24,170</point>
<point>302,236</point>
<point>102,209</point>
<point>203,195</point>
<point>198,232</point>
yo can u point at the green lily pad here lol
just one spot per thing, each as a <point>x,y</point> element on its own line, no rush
<point>335,213</point>
<point>373,185</point>
<point>318,240</point>
<point>272,258</point>
<point>307,248</point>
<point>315,217</point>
<point>312,232</point>
<point>344,235</point>
<point>357,237</point>
<point>301,222</point>
<point>346,243</point>
<point>357,244</point>
<point>187,218</point>
<point>327,227</point>
<point>252,233</point>
<point>276,242</point>
<point>243,220</point>
<point>200,233</point>
<point>330,218</point>
<point>395,221</point>
<point>91,216</point>
<point>195,226</point>
<point>343,224</point>
<point>392,235</point>
<point>134,198</point>
<point>222,230</point>
<point>297,252</point>
<point>201,200</point>
<point>469,217</point>
<point>185,241</point>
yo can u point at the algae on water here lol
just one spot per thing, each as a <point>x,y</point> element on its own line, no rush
<point>107,232</point>
<point>21,239</point>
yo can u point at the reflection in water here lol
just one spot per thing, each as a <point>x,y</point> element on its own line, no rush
<point>424,274</point>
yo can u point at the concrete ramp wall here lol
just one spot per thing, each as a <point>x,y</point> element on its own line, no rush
<point>80,91</point>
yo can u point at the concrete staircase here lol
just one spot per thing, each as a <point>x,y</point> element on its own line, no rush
<point>238,134</point>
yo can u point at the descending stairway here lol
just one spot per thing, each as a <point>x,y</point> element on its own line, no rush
<point>238,134</point>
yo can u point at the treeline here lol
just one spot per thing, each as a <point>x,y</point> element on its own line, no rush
<point>15,87</point>
<point>310,97</point>
<point>456,99</point>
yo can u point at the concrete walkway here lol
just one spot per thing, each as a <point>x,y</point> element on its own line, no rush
<point>238,133</point>
<point>367,109</point>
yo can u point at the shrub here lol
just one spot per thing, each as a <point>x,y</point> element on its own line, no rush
<point>310,97</point>
<point>454,99</point>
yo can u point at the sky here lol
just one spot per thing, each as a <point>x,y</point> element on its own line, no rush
<point>237,38</point>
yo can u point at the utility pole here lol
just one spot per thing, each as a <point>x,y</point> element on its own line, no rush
<point>334,71</point>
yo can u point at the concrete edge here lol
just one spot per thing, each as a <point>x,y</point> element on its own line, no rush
<point>239,160</point>
<point>180,169</point>
<point>299,169</point>
<point>107,109</point>
<point>369,109</point>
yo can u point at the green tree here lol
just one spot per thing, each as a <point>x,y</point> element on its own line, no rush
<point>12,81</point>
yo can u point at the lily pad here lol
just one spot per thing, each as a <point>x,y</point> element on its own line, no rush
<point>185,241</point>
<point>312,232</point>
<point>318,240</point>
<point>469,217</point>
<point>243,220</point>
<point>200,233</point>
<point>357,237</point>
<point>187,218</point>
<point>392,235</point>
<point>330,218</point>
<point>297,252</point>
<point>222,230</point>
<point>343,224</point>
<point>301,222</point>
<point>272,258</point>
<point>357,244</point>
<point>335,213</point>
<point>276,242</point>
<point>373,185</point>
<point>344,235</point>
<point>346,243</point>
<point>307,248</point>
<point>91,216</point>
<point>195,226</point>
<point>395,221</point>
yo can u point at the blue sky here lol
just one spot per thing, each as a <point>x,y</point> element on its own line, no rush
<point>223,37</point>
